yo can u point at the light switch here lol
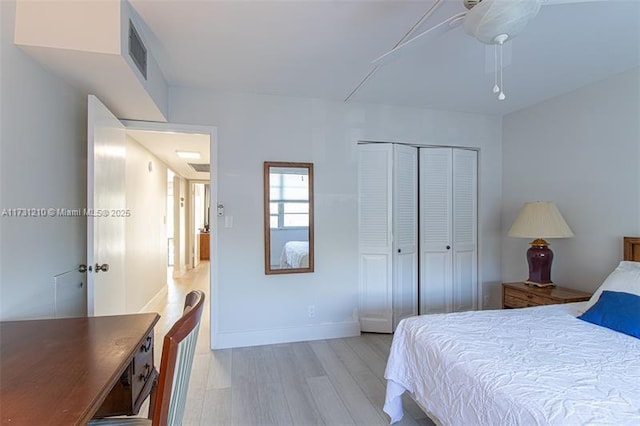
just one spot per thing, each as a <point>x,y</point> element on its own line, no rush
<point>228,222</point>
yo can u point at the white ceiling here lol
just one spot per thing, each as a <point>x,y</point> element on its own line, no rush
<point>323,48</point>
<point>165,144</point>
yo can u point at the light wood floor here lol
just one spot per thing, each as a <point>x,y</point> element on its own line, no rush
<point>324,382</point>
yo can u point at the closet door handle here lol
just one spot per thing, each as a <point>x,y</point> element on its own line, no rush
<point>448,247</point>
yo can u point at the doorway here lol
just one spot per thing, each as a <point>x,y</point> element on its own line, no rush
<point>127,235</point>
<point>189,153</point>
<point>200,230</point>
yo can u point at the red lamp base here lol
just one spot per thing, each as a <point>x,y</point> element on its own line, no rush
<point>540,258</point>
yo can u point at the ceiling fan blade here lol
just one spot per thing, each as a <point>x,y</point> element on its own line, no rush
<point>552,2</point>
<point>424,36</point>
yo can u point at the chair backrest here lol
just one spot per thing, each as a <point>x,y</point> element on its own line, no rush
<point>178,351</point>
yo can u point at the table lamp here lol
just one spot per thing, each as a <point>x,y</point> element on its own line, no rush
<point>540,220</point>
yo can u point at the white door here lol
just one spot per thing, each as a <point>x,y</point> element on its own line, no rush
<point>435,230</point>
<point>375,238</point>
<point>405,232</point>
<point>448,228</point>
<point>465,232</point>
<point>106,211</point>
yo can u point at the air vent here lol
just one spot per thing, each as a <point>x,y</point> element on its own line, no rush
<point>203,168</point>
<point>137,51</point>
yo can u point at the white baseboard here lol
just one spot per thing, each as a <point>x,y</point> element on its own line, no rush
<point>237,339</point>
<point>158,299</point>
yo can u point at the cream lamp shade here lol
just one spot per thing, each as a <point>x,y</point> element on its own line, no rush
<point>539,220</point>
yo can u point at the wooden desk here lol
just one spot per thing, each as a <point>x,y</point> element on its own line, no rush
<point>60,371</point>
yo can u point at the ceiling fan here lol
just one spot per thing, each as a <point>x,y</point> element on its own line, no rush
<point>492,22</point>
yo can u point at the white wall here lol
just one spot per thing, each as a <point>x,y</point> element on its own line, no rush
<point>43,159</point>
<point>145,229</point>
<point>582,151</point>
<point>252,308</point>
<point>88,43</point>
<point>184,224</point>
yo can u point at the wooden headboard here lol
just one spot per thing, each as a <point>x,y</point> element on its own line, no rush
<point>631,248</point>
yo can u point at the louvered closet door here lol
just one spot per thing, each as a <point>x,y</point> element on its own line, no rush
<point>465,232</point>
<point>375,242</point>
<point>405,233</point>
<point>435,230</point>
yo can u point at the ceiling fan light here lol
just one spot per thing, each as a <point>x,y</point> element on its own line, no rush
<point>491,18</point>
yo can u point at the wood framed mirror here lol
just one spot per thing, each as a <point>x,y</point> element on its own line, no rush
<point>288,217</point>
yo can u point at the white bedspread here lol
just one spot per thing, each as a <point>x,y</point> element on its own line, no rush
<point>295,254</point>
<point>534,366</point>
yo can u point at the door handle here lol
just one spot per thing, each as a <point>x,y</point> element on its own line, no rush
<point>104,267</point>
<point>448,247</point>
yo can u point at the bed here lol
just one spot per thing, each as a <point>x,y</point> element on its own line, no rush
<point>531,366</point>
<point>295,254</point>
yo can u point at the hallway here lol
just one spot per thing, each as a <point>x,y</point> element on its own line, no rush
<point>170,308</point>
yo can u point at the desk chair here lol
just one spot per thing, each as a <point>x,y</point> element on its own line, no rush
<point>169,394</point>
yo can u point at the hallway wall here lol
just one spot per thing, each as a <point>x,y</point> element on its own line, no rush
<point>145,230</point>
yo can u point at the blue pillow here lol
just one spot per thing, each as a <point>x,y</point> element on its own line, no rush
<point>616,310</point>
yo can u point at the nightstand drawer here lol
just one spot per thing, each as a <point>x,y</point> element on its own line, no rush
<point>521,295</point>
<point>514,302</point>
<point>533,299</point>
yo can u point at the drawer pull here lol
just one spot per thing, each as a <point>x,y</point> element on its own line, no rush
<point>145,347</point>
<point>144,376</point>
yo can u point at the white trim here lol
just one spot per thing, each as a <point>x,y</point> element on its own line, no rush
<point>236,339</point>
<point>90,203</point>
<point>157,300</point>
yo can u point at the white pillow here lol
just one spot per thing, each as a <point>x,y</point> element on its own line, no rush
<point>625,278</point>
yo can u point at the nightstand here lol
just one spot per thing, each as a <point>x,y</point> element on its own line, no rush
<point>520,295</point>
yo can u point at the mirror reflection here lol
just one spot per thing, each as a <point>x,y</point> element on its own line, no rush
<point>288,192</point>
